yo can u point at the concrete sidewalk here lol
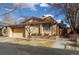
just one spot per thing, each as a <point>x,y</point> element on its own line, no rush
<point>59,43</point>
<point>6,39</point>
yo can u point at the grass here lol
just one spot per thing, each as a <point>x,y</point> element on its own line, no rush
<point>42,43</point>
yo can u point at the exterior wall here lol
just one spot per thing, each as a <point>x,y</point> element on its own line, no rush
<point>57,30</point>
<point>41,30</point>
<point>34,29</point>
<point>48,32</point>
<point>18,32</point>
<point>37,29</point>
<point>51,29</point>
<point>26,33</point>
<point>54,30</point>
<point>9,32</point>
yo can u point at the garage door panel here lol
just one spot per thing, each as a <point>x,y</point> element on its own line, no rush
<point>18,33</point>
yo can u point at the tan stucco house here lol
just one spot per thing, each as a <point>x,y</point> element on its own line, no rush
<point>45,26</point>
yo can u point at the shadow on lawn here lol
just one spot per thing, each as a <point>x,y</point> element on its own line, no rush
<point>11,49</point>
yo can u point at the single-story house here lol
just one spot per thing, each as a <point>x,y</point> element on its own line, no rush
<point>45,26</point>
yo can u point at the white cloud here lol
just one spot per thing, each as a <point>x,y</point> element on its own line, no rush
<point>7,9</point>
<point>44,5</point>
<point>49,15</point>
<point>68,25</point>
<point>59,20</point>
<point>0,19</point>
<point>20,19</point>
<point>26,5</point>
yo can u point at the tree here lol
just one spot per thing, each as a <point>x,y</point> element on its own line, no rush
<point>72,14</point>
<point>29,31</point>
<point>8,8</point>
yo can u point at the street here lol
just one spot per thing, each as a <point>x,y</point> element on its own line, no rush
<point>10,49</point>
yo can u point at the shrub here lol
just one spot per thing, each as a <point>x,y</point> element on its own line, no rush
<point>34,34</point>
<point>46,34</point>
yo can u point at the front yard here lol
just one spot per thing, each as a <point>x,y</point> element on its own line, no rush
<point>42,43</point>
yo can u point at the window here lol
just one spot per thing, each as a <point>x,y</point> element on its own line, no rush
<point>46,27</point>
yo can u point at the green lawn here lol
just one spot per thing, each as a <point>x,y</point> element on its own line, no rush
<point>42,43</point>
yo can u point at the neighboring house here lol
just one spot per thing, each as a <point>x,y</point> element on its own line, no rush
<point>45,26</point>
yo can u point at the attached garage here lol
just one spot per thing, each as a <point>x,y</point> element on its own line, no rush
<point>18,31</point>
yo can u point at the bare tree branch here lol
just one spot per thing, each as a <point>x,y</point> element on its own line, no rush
<point>9,12</point>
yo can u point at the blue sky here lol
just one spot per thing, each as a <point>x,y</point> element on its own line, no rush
<point>32,9</point>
